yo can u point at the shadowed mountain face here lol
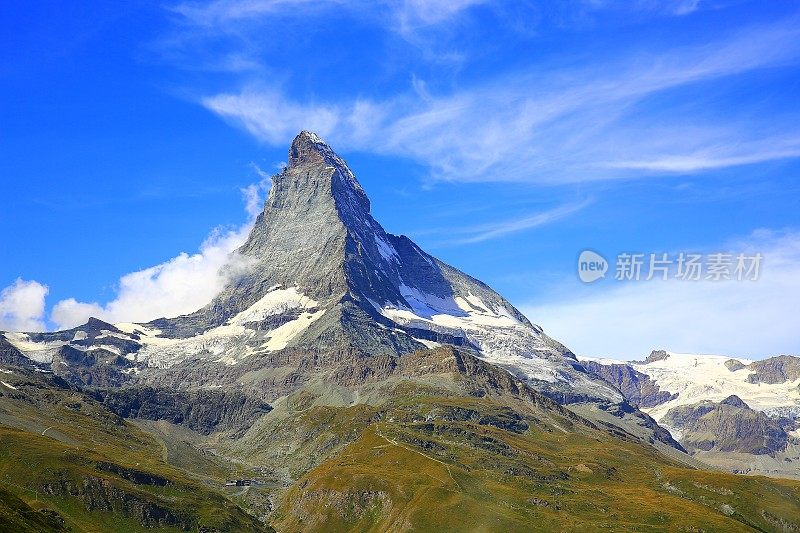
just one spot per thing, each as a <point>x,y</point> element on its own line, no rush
<point>637,387</point>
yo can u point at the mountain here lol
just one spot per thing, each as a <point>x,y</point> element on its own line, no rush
<point>738,414</point>
<point>727,426</point>
<point>321,273</point>
<point>319,278</point>
<point>344,380</point>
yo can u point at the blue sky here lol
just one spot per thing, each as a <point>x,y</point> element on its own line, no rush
<point>504,137</point>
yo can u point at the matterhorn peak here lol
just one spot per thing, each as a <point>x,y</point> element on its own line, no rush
<point>315,172</point>
<point>307,147</point>
<point>324,277</point>
<point>322,282</point>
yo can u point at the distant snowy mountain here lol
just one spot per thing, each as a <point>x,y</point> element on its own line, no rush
<point>686,392</point>
<point>690,378</point>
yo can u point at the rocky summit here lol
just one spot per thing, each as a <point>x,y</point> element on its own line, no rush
<point>346,380</point>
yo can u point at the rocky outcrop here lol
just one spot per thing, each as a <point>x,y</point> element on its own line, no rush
<point>203,410</point>
<point>728,426</point>
<point>638,388</point>
<point>16,515</point>
<point>100,494</point>
<point>11,356</point>
<point>656,355</point>
<point>91,368</point>
<point>734,364</point>
<point>775,370</point>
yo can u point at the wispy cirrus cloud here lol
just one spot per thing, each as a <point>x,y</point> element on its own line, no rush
<point>221,14</point>
<point>666,7</point>
<point>496,230</point>
<point>719,156</point>
<point>549,126</point>
<point>403,16</point>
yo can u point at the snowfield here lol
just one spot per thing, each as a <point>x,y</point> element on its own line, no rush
<point>698,377</point>
<point>236,340</point>
<point>501,338</point>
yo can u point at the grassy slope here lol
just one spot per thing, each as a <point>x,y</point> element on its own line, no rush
<point>468,475</point>
<point>422,451</point>
<point>96,471</point>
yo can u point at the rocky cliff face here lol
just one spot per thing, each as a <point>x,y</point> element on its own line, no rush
<point>11,355</point>
<point>727,426</point>
<point>775,370</point>
<point>204,411</point>
<point>637,387</point>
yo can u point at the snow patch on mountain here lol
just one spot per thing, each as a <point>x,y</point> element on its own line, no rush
<point>106,347</point>
<point>234,341</point>
<point>428,305</point>
<point>273,303</point>
<point>280,337</point>
<point>40,352</point>
<point>386,250</point>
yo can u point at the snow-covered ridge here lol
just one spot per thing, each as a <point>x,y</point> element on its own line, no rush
<point>40,352</point>
<point>499,336</point>
<point>240,337</point>
<point>698,377</point>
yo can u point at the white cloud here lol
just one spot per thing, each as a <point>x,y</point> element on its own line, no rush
<point>22,306</point>
<point>253,194</point>
<point>272,118</point>
<point>552,126</point>
<point>720,156</point>
<point>178,286</point>
<point>736,318</point>
<point>69,313</point>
